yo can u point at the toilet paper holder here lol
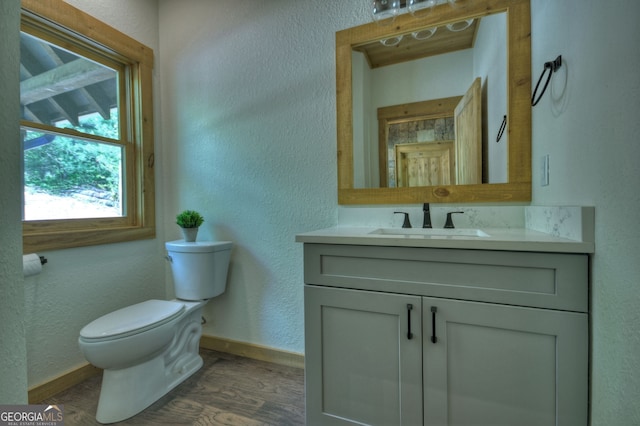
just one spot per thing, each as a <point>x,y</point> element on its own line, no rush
<point>32,264</point>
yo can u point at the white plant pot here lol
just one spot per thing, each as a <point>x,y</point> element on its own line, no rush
<point>189,234</point>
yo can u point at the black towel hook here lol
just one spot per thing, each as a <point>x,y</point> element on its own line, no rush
<point>551,66</point>
<point>502,127</point>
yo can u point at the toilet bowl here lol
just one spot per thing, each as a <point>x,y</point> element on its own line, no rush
<point>149,348</point>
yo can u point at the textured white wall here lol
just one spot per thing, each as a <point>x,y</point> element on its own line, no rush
<point>248,98</point>
<point>78,285</point>
<point>433,77</point>
<point>588,123</point>
<point>13,363</point>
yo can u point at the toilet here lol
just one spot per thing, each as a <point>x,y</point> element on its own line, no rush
<point>149,348</point>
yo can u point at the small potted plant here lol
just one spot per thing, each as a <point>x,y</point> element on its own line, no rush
<point>189,221</point>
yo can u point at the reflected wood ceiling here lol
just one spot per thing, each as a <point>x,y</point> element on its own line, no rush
<point>409,49</point>
<point>55,85</point>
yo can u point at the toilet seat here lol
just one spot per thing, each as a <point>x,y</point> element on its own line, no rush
<point>132,320</point>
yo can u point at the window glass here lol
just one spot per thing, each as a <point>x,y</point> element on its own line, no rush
<point>67,176</point>
<point>70,178</point>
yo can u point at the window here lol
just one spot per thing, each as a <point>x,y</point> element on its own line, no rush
<point>86,126</point>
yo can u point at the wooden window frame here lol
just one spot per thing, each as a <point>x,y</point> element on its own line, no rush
<point>61,19</point>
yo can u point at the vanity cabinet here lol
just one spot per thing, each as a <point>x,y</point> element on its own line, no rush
<point>410,336</point>
<point>366,370</point>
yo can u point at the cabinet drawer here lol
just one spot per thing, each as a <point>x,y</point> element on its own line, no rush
<point>545,280</point>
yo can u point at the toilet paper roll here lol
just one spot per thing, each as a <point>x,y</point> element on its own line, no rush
<point>31,264</point>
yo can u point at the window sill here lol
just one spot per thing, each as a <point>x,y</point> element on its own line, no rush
<point>56,240</point>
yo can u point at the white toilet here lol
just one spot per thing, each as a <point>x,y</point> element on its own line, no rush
<point>149,348</point>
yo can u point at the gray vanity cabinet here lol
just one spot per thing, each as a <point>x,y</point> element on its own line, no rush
<point>360,366</point>
<point>496,337</point>
<point>504,365</point>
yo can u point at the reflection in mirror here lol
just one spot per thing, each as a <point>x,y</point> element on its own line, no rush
<point>416,143</point>
<point>405,92</point>
<point>427,65</point>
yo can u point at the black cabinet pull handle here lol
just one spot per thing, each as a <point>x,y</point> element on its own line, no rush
<point>434,309</point>
<point>409,309</point>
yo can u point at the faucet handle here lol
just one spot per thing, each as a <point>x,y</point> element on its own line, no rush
<point>449,223</point>
<point>406,223</point>
<point>426,220</point>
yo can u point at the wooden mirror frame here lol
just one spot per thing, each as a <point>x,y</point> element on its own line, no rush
<point>518,129</point>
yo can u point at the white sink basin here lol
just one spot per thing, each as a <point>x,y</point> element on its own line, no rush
<point>431,233</point>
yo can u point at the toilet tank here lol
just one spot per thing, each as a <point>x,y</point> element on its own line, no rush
<point>199,268</point>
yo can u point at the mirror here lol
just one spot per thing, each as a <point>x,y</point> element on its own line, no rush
<point>417,96</point>
<point>372,125</point>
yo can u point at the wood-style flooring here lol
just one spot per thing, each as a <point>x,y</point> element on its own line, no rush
<point>227,390</point>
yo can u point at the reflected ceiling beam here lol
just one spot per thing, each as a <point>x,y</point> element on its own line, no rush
<point>52,102</point>
<point>71,76</point>
<point>27,114</point>
<point>103,108</point>
<point>93,104</point>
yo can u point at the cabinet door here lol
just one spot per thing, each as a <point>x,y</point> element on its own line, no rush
<point>360,365</point>
<point>504,365</point>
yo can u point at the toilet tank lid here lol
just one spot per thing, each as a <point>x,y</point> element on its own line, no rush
<point>198,246</point>
<point>132,318</point>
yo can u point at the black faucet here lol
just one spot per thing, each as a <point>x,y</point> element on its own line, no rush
<point>449,223</point>
<point>406,223</point>
<point>426,220</point>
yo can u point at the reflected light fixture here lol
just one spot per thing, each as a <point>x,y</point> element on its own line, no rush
<point>459,26</point>
<point>391,41</point>
<point>424,34</point>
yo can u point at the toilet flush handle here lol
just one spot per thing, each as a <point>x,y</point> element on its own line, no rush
<point>169,258</point>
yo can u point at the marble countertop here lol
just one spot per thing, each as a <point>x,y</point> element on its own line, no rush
<point>508,239</point>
